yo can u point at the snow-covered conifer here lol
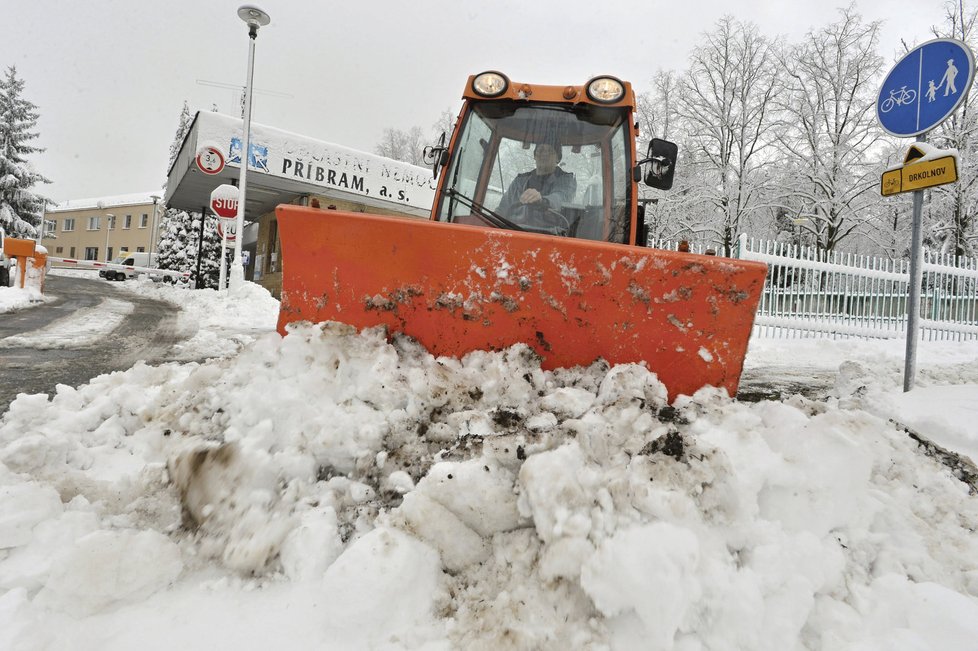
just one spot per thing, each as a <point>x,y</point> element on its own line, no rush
<point>21,209</point>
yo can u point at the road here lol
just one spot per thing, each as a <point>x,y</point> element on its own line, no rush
<point>146,333</point>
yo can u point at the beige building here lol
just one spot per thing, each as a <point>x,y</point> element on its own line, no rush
<point>103,228</point>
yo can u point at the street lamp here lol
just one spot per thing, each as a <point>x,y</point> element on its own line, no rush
<point>152,233</point>
<point>109,218</point>
<point>798,221</point>
<point>254,18</point>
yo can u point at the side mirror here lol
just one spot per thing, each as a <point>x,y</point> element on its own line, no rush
<point>661,160</point>
<point>436,155</point>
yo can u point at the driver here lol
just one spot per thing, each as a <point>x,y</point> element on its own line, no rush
<point>534,194</point>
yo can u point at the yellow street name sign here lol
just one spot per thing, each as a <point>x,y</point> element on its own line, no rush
<point>920,175</point>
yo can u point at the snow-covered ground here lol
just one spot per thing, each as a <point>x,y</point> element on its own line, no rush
<point>332,490</point>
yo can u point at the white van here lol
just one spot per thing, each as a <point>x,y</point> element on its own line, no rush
<point>137,259</point>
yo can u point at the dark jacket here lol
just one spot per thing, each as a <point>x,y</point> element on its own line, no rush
<point>558,189</point>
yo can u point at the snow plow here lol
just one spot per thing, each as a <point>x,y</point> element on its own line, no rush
<point>536,236</point>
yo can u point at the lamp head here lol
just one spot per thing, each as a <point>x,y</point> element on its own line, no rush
<point>253,16</point>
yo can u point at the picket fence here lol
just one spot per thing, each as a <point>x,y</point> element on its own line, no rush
<point>811,293</point>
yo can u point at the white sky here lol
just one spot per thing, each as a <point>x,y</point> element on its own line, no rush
<point>110,76</point>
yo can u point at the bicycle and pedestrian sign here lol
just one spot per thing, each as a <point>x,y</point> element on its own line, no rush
<point>925,87</point>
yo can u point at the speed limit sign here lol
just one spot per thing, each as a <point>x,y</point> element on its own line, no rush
<point>228,228</point>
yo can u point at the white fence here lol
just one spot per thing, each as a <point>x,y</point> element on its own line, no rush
<point>810,293</point>
<point>842,294</point>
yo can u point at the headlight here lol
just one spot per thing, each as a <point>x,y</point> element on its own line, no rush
<point>490,84</point>
<point>605,90</point>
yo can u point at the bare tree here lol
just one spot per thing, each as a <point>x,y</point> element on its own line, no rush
<point>829,128</point>
<point>952,226</point>
<point>724,102</point>
<point>400,145</point>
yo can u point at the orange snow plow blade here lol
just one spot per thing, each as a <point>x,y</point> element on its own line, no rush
<point>459,288</point>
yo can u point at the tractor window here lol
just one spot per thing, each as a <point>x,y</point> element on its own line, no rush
<point>586,184</point>
<point>620,172</point>
<point>463,175</point>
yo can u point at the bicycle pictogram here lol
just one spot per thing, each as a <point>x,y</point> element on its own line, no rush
<point>898,98</point>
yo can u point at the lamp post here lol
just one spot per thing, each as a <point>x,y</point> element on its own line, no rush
<point>153,234</point>
<point>798,221</point>
<point>109,218</point>
<point>254,18</point>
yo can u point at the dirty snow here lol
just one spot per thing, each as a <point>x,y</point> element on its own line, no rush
<point>332,489</point>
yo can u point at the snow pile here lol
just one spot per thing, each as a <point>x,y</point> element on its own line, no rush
<point>341,490</point>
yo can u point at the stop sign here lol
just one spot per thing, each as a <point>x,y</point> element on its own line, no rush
<point>224,201</point>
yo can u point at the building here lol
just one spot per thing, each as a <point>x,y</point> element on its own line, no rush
<point>101,228</point>
<point>288,168</point>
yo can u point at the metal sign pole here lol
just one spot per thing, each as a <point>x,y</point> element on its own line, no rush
<point>922,90</point>
<point>199,284</point>
<point>916,279</point>
<point>222,277</point>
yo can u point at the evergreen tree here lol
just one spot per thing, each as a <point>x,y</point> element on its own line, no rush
<point>21,210</point>
<point>186,119</point>
<point>179,242</point>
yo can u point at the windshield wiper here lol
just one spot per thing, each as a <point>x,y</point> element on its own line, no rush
<point>493,218</point>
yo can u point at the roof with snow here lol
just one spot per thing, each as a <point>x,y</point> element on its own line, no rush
<point>98,203</point>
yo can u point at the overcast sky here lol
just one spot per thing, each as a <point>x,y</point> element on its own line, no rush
<point>110,76</point>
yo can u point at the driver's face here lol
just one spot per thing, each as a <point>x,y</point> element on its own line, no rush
<point>546,158</point>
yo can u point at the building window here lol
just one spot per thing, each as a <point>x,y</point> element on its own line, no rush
<point>69,224</point>
<point>128,223</point>
<point>93,225</point>
<point>144,221</point>
<point>110,222</point>
<point>71,253</point>
<point>110,250</point>
<point>91,252</point>
<point>140,249</point>
<point>59,250</point>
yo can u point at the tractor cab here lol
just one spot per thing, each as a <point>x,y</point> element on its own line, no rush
<point>543,159</point>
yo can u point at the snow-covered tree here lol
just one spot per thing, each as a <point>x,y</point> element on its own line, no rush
<point>179,244</point>
<point>830,137</point>
<point>404,146</point>
<point>951,219</point>
<point>21,209</point>
<point>725,102</point>
<point>186,119</point>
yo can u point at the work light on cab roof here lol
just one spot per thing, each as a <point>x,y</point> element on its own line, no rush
<point>490,84</point>
<point>605,90</point>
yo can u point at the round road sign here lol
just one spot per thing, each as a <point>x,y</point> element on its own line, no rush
<point>224,201</point>
<point>210,160</point>
<point>227,226</point>
<point>925,87</point>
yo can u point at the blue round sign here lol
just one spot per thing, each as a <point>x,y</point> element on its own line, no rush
<point>925,87</point>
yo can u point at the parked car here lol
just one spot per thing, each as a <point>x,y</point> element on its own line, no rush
<point>137,259</point>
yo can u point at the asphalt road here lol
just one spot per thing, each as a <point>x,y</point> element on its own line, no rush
<point>146,334</point>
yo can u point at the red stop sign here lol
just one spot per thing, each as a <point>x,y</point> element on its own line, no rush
<point>224,201</point>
